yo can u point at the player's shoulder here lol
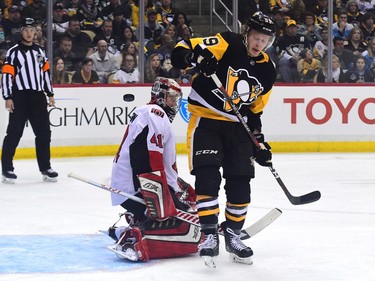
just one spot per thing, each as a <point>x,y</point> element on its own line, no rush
<point>152,111</point>
<point>231,37</point>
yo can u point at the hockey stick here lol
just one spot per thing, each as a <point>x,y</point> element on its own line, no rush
<point>188,217</point>
<point>295,200</point>
<point>182,215</point>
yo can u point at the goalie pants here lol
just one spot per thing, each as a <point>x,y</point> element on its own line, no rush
<point>214,144</point>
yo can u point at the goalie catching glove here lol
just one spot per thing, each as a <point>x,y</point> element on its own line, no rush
<point>263,154</point>
<point>204,60</point>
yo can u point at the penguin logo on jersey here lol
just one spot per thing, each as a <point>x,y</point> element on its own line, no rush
<point>242,88</point>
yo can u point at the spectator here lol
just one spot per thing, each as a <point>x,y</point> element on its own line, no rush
<point>128,36</point>
<point>131,48</point>
<point>128,72</point>
<point>153,69</point>
<point>249,7</point>
<point>365,5</point>
<point>337,73</point>
<point>119,23</point>
<point>88,15</point>
<point>369,54</point>
<point>104,63</point>
<point>36,10</point>
<point>65,52</point>
<point>59,74</point>
<point>12,25</point>
<point>60,19</point>
<point>354,16</point>
<point>308,66</point>
<point>166,48</point>
<point>170,29</point>
<point>40,39</point>
<point>345,56</point>
<point>367,26</point>
<point>355,42</point>
<point>321,11</point>
<point>82,44</point>
<point>148,4</point>
<point>166,11</point>
<point>309,28</point>
<point>288,48</point>
<point>152,30</point>
<point>117,7</point>
<point>106,34</point>
<point>72,7</point>
<point>341,27</point>
<point>359,74</point>
<point>180,18</point>
<point>86,75</point>
<point>183,32</point>
<point>321,47</point>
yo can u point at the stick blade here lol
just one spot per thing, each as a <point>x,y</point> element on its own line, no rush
<point>306,199</point>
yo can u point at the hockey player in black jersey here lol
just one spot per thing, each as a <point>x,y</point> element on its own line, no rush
<point>215,137</point>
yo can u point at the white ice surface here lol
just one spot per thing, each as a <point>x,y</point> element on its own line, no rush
<point>332,239</point>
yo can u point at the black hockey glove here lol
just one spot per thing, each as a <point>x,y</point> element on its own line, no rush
<point>263,155</point>
<point>204,60</point>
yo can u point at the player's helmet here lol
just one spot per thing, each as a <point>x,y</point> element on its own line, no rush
<point>27,22</point>
<point>163,88</point>
<point>262,23</point>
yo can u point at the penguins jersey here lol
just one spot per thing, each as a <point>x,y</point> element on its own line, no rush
<point>148,145</point>
<point>242,76</point>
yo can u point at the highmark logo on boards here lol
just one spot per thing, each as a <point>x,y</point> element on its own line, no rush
<point>185,114</point>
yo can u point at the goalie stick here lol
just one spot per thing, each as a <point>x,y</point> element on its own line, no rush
<point>295,200</point>
<point>191,218</point>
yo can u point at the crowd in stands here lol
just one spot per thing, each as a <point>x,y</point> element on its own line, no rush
<point>97,41</point>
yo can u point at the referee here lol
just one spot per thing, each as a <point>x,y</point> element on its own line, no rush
<point>24,82</point>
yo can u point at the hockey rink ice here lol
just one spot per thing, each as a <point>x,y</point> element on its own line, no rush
<point>50,231</point>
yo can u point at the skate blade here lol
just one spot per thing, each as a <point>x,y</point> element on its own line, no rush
<point>237,259</point>
<point>8,181</point>
<point>128,255</point>
<point>209,261</point>
<point>48,179</point>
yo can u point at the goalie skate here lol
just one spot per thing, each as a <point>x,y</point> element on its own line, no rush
<point>50,175</point>
<point>9,177</point>
<point>124,251</point>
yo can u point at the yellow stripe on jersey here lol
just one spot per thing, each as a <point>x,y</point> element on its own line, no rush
<point>217,45</point>
<point>260,103</point>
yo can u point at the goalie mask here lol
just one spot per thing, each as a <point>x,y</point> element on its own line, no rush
<point>263,24</point>
<point>167,94</point>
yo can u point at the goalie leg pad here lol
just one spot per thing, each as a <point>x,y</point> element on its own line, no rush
<point>157,196</point>
<point>171,238</point>
<point>132,238</point>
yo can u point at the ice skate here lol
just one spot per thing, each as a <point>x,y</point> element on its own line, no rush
<point>9,177</point>
<point>238,251</point>
<point>209,249</point>
<point>125,250</point>
<point>50,175</point>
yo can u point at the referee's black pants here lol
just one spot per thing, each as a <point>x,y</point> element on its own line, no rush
<point>30,107</point>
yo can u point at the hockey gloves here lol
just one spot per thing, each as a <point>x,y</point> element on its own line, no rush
<point>263,155</point>
<point>204,60</point>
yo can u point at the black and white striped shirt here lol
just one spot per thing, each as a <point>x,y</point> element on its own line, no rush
<point>25,69</point>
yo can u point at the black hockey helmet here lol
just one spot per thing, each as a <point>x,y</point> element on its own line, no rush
<point>28,22</point>
<point>262,23</point>
<point>163,88</point>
